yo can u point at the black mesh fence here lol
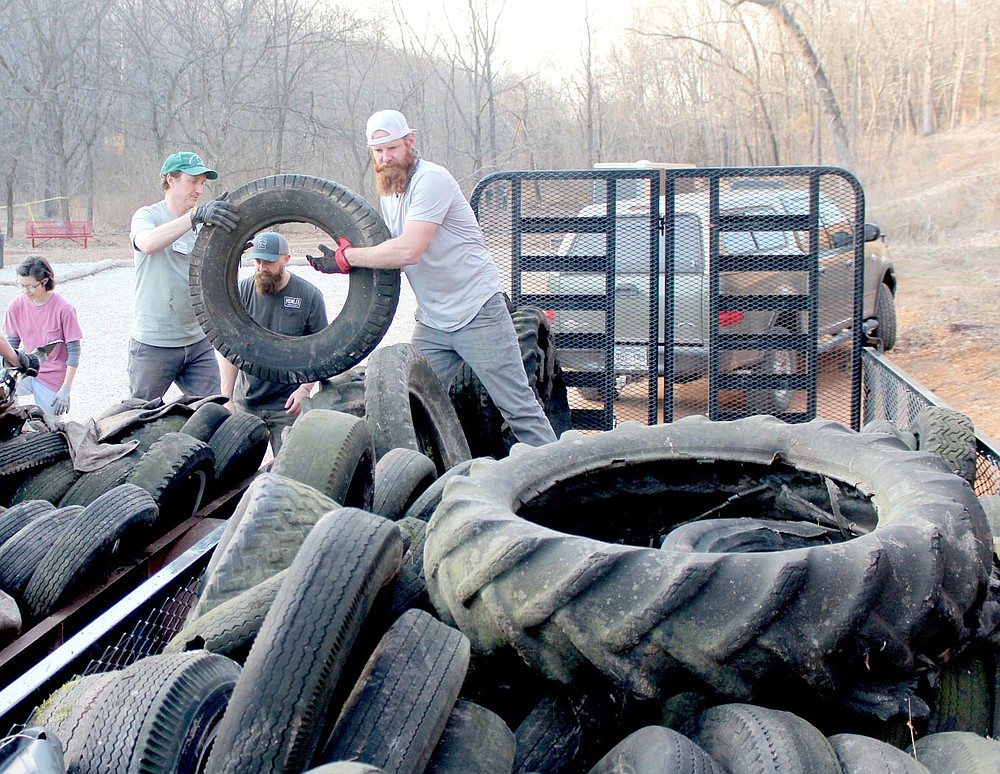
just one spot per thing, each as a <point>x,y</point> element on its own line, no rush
<point>889,394</point>
<point>723,292</point>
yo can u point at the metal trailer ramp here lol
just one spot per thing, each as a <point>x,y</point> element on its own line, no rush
<point>723,292</point>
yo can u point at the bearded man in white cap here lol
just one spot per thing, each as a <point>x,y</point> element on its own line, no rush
<point>437,242</point>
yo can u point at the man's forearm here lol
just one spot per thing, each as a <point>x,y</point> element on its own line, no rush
<point>391,254</point>
<point>164,235</point>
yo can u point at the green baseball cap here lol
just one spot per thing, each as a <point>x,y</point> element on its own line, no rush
<point>187,162</point>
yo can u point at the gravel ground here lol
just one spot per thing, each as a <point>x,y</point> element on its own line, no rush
<point>102,295</point>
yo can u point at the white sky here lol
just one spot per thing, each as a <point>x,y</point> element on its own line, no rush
<point>535,35</point>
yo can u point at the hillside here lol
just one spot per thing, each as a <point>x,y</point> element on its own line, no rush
<point>938,200</point>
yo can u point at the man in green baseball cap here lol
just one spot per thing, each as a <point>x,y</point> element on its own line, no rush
<point>167,344</point>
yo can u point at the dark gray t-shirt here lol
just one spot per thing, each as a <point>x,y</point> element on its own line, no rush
<point>297,310</point>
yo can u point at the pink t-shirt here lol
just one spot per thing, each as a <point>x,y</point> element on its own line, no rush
<point>36,326</point>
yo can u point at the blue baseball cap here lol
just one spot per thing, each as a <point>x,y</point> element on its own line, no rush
<point>268,246</point>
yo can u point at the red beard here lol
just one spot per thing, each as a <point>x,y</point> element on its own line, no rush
<point>394,178</point>
<point>267,285</point>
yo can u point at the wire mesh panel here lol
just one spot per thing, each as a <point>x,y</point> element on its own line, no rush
<point>889,394</point>
<point>724,292</point>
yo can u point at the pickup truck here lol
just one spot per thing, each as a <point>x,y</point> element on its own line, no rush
<point>691,287</point>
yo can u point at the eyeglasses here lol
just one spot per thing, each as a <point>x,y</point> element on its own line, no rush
<point>30,288</point>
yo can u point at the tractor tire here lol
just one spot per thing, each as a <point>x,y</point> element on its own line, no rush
<point>880,602</point>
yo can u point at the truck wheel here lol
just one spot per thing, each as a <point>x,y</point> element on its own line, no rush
<point>776,361</point>
<point>903,592</point>
<point>419,662</point>
<point>230,628</point>
<point>962,751</point>
<point>885,313</point>
<point>350,336</point>
<point>333,453</point>
<point>275,515</point>
<point>475,741</point>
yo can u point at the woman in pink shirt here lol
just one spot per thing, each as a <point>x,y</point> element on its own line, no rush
<point>38,317</point>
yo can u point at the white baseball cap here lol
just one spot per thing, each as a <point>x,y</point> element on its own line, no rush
<point>391,121</point>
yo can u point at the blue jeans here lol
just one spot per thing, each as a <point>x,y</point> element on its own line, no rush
<point>488,344</point>
<point>151,370</point>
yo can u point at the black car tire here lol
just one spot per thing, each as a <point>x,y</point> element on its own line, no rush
<point>367,311</point>
<point>277,713</point>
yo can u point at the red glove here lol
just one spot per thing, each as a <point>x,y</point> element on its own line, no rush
<point>332,261</point>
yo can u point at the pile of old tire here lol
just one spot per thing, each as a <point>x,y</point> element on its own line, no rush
<point>64,532</point>
<point>702,596</point>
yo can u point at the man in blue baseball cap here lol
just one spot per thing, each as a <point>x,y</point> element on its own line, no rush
<point>167,344</point>
<point>284,303</point>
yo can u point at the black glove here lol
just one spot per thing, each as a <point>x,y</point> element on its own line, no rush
<point>217,212</point>
<point>332,261</point>
<point>27,364</point>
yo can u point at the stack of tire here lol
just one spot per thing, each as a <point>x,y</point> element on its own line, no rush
<point>63,532</point>
<point>701,596</point>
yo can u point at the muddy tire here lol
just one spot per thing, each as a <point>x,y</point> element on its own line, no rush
<point>885,426</point>
<point>278,515</point>
<point>865,755</point>
<point>366,313</point>
<point>69,712</point>
<point>425,505</point>
<point>410,590</point>
<point>401,475</point>
<point>276,715</point>
<point>238,445</point>
<point>744,737</point>
<point>205,420</point>
<point>333,453</point>
<point>419,662</point>
<point>49,483</point>
<point>657,750</point>
<point>879,603</point>
<point>160,714</point>
<point>407,407</point>
<point>91,485</point>
<point>963,694</point>
<point>950,435</point>
<point>487,433</point>
<point>344,392</point>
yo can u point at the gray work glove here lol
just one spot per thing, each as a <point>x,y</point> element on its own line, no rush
<point>27,364</point>
<point>60,403</point>
<point>218,212</point>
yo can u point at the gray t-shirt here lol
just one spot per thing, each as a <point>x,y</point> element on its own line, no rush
<point>162,312</point>
<point>456,274</point>
<point>298,309</point>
